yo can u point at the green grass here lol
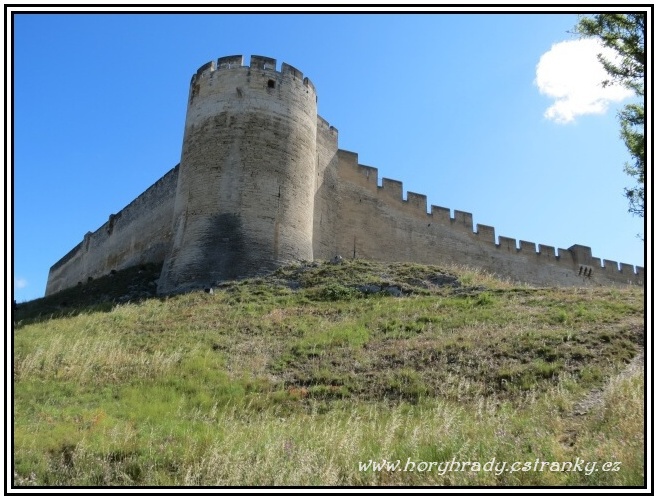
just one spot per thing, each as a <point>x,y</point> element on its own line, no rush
<point>296,377</point>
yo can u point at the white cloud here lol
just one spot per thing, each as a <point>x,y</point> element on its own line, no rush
<point>20,283</point>
<point>571,73</point>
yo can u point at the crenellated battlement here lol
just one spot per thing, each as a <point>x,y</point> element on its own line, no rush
<point>486,233</point>
<point>260,63</point>
<point>417,201</point>
<point>325,126</point>
<point>391,192</point>
<point>230,62</point>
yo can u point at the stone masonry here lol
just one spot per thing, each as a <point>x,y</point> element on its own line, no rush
<point>262,183</point>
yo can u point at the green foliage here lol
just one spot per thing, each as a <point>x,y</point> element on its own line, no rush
<point>625,34</point>
<point>407,384</point>
<point>333,292</point>
<point>321,342</point>
<point>631,118</point>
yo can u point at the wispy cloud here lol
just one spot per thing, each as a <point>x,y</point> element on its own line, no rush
<point>20,283</point>
<point>571,73</point>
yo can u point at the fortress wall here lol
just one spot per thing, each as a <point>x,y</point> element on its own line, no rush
<point>138,234</point>
<point>377,223</point>
<point>262,183</point>
<point>325,217</point>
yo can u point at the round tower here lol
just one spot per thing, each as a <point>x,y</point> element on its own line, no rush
<point>244,200</point>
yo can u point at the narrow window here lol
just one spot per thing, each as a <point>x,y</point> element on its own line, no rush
<point>270,84</point>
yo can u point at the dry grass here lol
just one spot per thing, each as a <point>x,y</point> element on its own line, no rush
<point>97,360</point>
<point>295,378</point>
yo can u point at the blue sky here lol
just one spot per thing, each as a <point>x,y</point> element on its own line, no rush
<point>447,103</point>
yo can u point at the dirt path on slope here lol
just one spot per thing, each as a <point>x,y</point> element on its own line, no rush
<point>594,399</point>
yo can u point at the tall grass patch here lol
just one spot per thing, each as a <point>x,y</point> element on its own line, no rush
<point>297,377</point>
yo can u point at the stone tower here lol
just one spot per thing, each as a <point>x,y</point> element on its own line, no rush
<point>245,194</point>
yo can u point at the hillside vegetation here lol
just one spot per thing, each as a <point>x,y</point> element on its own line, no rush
<point>299,377</point>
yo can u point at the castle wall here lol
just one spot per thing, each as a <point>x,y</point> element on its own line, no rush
<point>262,183</point>
<point>138,234</point>
<point>244,203</point>
<point>326,214</point>
<point>377,223</point>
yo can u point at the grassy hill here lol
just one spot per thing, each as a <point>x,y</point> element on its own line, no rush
<point>322,374</point>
